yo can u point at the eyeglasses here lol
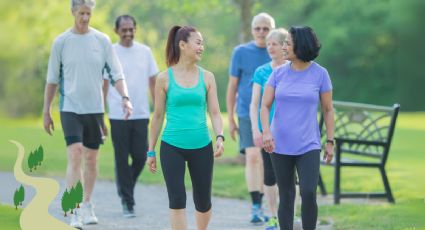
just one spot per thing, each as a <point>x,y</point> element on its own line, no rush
<point>265,29</point>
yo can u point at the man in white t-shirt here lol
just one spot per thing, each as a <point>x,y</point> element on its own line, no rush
<point>77,59</point>
<point>130,136</point>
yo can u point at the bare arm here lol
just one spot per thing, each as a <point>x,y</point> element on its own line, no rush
<point>152,81</point>
<point>328,114</point>
<point>105,89</point>
<point>230,104</point>
<point>49,94</point>
<point>214,112</point>
<point>126,104</point>
<point>158,116</point>
<point>266,104</point>
<point>253,113</point>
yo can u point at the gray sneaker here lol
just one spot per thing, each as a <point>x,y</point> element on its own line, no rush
<point>87,214</point>
<point>128,211</point>
<point>76,221</point>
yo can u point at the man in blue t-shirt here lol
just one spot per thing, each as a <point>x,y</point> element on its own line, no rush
<point>245,59</point>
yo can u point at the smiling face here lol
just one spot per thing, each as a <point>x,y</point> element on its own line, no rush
<point>82,16</point>
<point>288,49</point>
<point>194,47</point>
<point>126,31</point>
<point>275,48</point>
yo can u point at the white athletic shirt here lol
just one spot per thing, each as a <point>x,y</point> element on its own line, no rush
<point>77,63</point>
<point>138,65</point>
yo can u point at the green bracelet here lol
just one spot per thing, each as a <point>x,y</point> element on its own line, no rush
<point>151,153</point>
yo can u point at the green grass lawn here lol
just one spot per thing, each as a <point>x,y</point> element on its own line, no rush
<point>405,168</point>
<point>9,217</point>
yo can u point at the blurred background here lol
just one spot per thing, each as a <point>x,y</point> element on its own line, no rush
<point>373,50</point>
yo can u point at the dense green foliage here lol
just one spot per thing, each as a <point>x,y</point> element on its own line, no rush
<point>372,49</point>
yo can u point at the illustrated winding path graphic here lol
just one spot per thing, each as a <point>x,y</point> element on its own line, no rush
<point>35,215</point>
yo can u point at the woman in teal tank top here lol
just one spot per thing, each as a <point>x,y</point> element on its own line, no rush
<point>183,94</point>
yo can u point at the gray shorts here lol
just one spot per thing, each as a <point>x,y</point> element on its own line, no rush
<point>84,128</point>
<point>245,134</point>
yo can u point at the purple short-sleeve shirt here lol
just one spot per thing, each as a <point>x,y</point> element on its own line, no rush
<point>295,128</point>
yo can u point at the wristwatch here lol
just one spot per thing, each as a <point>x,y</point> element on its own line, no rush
<point>125,98</point>
<point>330,141</point>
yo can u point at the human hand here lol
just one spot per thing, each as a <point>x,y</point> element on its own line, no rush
<point>48,123</point>
<point>268,142</point>
<point>127,108</point>
<point>151,162</point>
<point>219,148</point>
<point>233,128</point>
<point>258,138</point>
<point>329,153</point>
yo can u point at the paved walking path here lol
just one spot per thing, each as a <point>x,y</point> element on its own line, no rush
<point>151,207</point>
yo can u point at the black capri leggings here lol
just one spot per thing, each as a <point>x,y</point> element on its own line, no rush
<point>200,163</point>
<point>307,166</point>
<point>269,177</point>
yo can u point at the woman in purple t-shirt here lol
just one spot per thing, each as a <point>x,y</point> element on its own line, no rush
<point>293,138</point>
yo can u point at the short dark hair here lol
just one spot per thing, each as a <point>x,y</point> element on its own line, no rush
<point>124,17</point>
<point>305,42</point>
<point>176,34</point>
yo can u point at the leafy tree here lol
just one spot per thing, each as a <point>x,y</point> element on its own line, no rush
<point>65,202</point>
<point>72,199</point>
<point>21,193</point>
<point>78,193</point>
<point>39,155</point>
<point>31,161</point>
<point>16,199</point>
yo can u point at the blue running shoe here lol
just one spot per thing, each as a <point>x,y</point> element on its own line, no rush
<point>256,217</point>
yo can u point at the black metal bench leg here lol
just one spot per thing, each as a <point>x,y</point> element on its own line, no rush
<point>322,185</point>
<point>337,184</point>
<point>386,185</point>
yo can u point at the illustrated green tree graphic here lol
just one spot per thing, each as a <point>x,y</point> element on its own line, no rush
<point>31,161</point>
<point>65,202</point>
<point>40,154</point>
<point>21,193</point>
<point>16,199</point>
<point>78,193</point>
<point>72,199</point>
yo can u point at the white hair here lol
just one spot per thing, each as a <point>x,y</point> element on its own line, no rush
<point>263,17</point>
<point>279,34</point>
<point>77,3</point>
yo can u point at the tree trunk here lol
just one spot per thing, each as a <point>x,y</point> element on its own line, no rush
<point>78,205</point>
<point>245,7</point>
<point>65,214</point>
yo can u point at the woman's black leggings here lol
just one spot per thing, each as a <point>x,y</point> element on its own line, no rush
<point>200,163</point>
<point>307,166</point>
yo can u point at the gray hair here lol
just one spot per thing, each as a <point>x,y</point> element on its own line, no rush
<point>279,34</point>
<point>77,3</point>
<point>263,17</point>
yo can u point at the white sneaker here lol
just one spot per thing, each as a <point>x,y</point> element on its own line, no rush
<point>87,213</point>
<point>76,220</point>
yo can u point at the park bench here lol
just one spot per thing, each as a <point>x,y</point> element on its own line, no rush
<point>363,135</point>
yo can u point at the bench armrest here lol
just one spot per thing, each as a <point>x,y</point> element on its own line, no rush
<point>340,141</point>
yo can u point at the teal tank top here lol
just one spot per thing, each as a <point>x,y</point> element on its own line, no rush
<point>186,126</point>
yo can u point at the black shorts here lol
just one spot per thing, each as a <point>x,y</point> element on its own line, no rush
<point>84,128</point>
